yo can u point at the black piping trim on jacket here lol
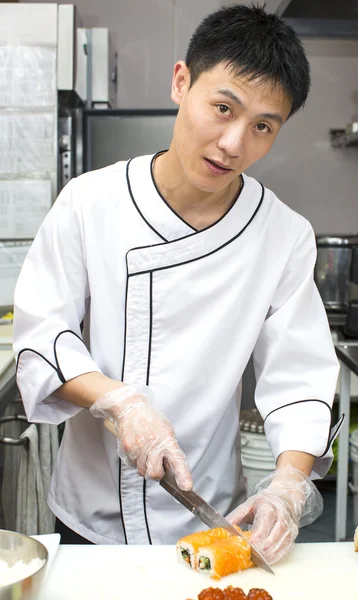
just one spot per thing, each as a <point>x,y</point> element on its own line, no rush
<point>330,440</point>
<point>38,354</point>
<point>191,260</point>
<point>298,402</point>
<point>150,271</point>
<point>123,363</point>
<point>302,402</point>
<point>145,511</point>
<point>162,197</point>
<point>60,374</point>
<point>195,231</point>
<point>125,323</point>
<point>147,383</point>
<point>137,207</point>
<point>181,218</point>
<point>120,503</point>
<point>150,325</point>
<point>57,367</point>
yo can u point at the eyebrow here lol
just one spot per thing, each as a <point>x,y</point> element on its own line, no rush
<point>273,116</point>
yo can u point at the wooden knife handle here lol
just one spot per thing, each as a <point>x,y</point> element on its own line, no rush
<point>109,425</point>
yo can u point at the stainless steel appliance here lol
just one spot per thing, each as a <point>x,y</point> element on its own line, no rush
<point>321,18</point>
<point>332,271</point>
<point>113,135</point>
<point>351,326</point>
<point>15,548</point>
<point>102,74</point>
<point>320,9</point>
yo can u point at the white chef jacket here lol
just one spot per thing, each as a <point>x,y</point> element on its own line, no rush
<point>182,311</point>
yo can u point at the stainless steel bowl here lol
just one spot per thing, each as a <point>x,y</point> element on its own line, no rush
<point>13,548</point>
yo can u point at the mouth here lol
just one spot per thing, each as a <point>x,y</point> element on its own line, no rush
<point>217,168</point>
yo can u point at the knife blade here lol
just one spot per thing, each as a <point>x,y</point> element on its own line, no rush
<point>208,515</point>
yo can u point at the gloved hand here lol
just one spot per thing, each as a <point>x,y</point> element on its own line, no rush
<point>145,438</point>
<point>280,504</point>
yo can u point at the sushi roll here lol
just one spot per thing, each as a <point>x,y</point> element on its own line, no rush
<point>225,556</point>
<point>188,546</point>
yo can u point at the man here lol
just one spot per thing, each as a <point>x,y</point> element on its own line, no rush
<point>181,267</point>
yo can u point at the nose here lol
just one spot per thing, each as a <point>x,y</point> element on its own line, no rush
<point>232,141</point>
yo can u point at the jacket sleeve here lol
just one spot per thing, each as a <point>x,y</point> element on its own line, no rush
<point>295,363</point>
<point>50,301</point>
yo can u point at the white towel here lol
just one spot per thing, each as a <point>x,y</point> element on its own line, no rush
<point>37,459</point>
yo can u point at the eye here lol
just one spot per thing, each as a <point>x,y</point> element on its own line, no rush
<point>262,127</point>
<point>224,110</point>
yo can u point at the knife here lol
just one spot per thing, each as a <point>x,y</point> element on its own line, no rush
<point>197,505</point>
<point>208,515</point>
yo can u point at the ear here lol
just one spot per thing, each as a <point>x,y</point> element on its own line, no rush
<point>181,82</point>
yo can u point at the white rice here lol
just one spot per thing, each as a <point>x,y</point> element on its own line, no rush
<point>19,570</point>
<point>188,548</point>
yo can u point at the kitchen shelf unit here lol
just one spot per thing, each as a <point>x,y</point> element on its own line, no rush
<point>341,139</point>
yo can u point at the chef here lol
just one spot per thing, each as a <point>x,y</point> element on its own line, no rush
<point>146,290</point>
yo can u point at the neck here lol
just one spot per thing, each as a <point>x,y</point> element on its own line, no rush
<point>197,207</point>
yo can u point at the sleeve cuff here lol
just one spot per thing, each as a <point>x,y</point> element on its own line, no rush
<point>38,379</point>
<point>72,357</point>
<point>303,426</point>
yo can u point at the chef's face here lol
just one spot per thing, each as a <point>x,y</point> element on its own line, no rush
<point>225,123</point>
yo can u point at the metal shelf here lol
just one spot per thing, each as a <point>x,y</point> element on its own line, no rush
<point>341,139</point>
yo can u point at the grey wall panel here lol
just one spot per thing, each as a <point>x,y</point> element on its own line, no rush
<point>272,5</point>
<point>145,54</point>
<point>314,179</point>
<point>188,15</point>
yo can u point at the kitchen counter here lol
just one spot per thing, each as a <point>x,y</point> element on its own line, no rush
<point>327,571</point>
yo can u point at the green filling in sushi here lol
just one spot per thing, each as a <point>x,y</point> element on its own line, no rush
<point>204,563</point>
<point>185,554</point>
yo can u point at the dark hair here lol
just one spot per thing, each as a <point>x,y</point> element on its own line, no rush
<point>255,44</point>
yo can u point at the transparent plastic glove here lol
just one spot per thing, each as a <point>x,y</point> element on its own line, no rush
<point>145,438</point>
<point>281,503</point>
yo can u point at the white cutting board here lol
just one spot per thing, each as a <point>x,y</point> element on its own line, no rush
<point>312,572</point>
